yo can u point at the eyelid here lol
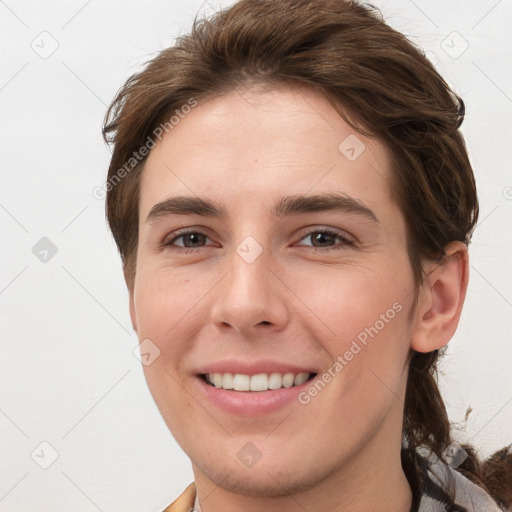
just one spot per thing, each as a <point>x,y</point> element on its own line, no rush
<point>327,229</point>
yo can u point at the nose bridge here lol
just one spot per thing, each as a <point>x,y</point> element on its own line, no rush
<point>249,283</point>
<point>250,294</point>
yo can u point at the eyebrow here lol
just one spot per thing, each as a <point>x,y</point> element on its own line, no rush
<point>295,204</point>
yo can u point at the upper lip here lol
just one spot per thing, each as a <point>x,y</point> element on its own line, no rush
<point>252,367</point>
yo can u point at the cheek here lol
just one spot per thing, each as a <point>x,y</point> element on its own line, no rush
<point>166,308</point>
<point>167,302</point>
<point>351,298</point>
<point>362,314</point>
<point>368,355</point>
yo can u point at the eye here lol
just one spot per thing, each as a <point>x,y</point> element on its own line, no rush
<point>325,238</point>
<point>190,240</point>
<point>322,240</point>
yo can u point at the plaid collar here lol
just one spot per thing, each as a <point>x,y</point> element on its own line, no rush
<point>446,489</point>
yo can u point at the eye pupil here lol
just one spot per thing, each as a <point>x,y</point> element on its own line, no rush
<point>320,237</point>
<point>195,238</point>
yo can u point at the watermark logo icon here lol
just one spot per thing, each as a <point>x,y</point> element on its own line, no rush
<point>44,250</point>
<point>352,147</point>
<point>249,455</point>
<point>45,45</point>
<point>454,455</point>
<point>454,45</point>
<point>249,249</point>
<point>44,455</point>
<point>146,352</point>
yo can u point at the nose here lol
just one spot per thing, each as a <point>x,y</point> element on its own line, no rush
<point>250,300</point>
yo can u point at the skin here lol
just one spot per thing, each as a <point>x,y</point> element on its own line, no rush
<point>245,150</point>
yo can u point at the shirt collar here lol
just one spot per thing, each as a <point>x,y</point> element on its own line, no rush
<point>197,505</point>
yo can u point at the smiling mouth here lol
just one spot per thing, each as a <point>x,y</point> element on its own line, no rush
<point>257,383</point>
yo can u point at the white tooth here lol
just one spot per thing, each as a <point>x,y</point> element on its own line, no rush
<point>301,378</point>
<point>217,380</point>
<point>274,381</point>
<point>259,382</point>
<point>288,380</point>
<point>241,382</point>
<point>227,381</point>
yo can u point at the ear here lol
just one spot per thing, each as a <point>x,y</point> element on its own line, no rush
<point>130,286</point>
<point>132,312</point>
<point>441,299</point>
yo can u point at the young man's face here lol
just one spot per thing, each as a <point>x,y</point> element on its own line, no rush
<point>262,290</point>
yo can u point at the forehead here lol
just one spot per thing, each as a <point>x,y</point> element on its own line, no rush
<point>248,145</point>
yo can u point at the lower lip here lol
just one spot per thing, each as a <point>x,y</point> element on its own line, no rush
<point>251,403</point>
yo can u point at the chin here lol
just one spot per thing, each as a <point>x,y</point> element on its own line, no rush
<point>278,479</point>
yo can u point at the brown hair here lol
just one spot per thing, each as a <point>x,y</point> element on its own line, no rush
<point>346,52</point>
<point>497,474</point>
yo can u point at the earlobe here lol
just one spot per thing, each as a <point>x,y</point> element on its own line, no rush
<point>441,299</point>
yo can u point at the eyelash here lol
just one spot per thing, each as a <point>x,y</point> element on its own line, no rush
<point>180,234</point>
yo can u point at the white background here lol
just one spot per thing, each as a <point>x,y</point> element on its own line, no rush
<point>68,374</point>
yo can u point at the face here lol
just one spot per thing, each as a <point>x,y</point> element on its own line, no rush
<point>249,284</point>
